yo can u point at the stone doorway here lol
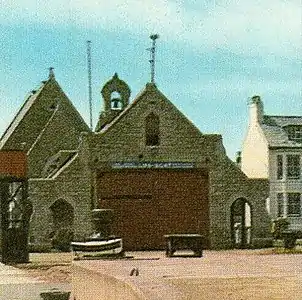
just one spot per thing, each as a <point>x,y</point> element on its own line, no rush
<point>62,218</point>
<point>241,223</point>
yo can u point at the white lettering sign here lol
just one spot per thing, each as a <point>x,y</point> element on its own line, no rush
<point>153,165</point>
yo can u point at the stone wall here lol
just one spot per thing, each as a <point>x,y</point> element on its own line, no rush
<point>73,185</point>
<point>124,140</point>
<point>227,184</point>
<point>181,141</point>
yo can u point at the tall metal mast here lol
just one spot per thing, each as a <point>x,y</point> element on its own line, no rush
<point>153,37</point>
<point>89,82</point>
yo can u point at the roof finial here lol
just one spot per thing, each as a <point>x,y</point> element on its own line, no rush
<point>51,73</point>
<point>153,37</point>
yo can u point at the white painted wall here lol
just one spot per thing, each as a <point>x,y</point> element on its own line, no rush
<point>254,156</point>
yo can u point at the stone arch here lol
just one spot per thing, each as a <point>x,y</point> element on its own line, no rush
<point>116,100</point>
<point>241,223</point>
<point>115,86</point>
<point>62,213</point>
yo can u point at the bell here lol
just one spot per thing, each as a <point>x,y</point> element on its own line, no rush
<point>115,102</point>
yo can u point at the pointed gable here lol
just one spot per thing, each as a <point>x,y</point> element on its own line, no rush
<point>170,135</point>
<point>36,113</point>
<point>46,123</point>
<point>7,137</point>
<point>152,99</point>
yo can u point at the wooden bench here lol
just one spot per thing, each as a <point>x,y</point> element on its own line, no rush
<point>176,242</point>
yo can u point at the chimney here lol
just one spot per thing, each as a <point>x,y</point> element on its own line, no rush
<point>256,110</point>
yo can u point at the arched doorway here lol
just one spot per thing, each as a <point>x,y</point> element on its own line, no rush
<point>241,223</point>
<point>62,216</point>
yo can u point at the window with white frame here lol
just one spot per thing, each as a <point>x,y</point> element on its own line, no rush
<point>294,204</point>
<point>280,202</point>
<point>293,166</point>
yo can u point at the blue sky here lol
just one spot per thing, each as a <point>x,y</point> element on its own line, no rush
<point>211,55</point>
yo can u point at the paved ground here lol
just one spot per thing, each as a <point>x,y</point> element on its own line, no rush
<point>227,275</point>
<point>15,284</point>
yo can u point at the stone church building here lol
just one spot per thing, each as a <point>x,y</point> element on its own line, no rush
<point>145,160</point>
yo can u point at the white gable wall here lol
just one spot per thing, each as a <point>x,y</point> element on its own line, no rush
<point>255,158</point>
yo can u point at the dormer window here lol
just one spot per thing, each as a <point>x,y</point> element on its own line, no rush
<point>152,130</point>
<point>116,101</point>
<point>295,133</point>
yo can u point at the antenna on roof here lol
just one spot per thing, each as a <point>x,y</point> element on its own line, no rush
<point>89,82</point>
<point>153,37</point>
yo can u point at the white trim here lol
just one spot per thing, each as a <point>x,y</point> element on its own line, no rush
<point>65,166</point>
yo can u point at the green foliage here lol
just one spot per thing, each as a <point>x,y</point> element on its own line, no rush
<point>278,227</point>
<point>280,231</point>
<point>281,250</point>
<point>289,240</point>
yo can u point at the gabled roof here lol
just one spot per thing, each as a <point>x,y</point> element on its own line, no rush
<point>149,88</point>
<point>24,112</point>
<point>21,113</point>
<point>275,133</point>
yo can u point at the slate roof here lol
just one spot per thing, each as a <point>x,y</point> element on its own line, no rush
<point>275,133</point>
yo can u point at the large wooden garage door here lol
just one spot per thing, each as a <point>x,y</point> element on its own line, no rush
<point>149,204</point>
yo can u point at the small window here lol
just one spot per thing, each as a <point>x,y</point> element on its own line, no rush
<point>53,106</point>
<point>294,204</point>
<point>152,130</point>
<point>293,166</point>
<point>280,200</point>
<point>279,167</point>
<point>295,133</point>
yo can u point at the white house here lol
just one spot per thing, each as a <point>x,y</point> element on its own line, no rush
<point>272,149</point>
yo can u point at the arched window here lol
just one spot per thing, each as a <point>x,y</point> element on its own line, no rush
<point>152,130</point>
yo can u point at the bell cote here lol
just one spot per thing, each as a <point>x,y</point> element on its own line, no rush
<point>116,94</point>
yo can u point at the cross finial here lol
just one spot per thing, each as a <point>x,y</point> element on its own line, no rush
<point>51,73</point>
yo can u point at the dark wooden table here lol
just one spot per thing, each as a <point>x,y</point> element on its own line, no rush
<point>176,242</point>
